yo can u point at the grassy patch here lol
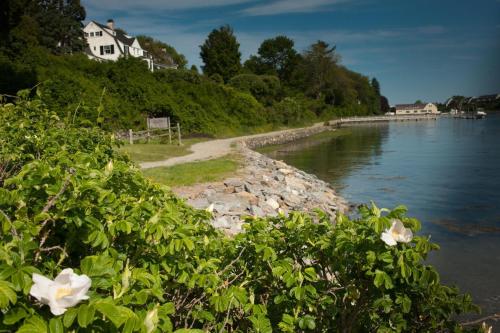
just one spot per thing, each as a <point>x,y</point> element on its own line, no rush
<point>194,173</point>
<point>157,151</point>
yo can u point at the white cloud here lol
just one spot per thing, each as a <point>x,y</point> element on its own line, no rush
<point>160,4</point>
<point>290,6</point>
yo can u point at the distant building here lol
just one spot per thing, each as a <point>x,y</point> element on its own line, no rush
<point>407,109</point>
<point>107,43</point>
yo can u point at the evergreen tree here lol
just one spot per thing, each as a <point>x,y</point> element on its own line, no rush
<point>220,53</point>
<point>319,66</point>
<point>54,24</point>
<point>61,25</point>
<point>376,86</point>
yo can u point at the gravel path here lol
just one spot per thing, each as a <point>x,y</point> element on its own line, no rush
<point>213,149</point>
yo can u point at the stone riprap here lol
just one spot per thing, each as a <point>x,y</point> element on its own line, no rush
<point>284,136</point>
<point>263,187</point>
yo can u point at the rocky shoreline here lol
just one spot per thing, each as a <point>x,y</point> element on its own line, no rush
<point>263,187</point>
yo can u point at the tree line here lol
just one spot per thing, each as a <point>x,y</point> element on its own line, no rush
<point>42,43</point>
<point>316,73</point>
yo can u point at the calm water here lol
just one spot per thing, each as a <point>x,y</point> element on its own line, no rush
<point>447,172</point>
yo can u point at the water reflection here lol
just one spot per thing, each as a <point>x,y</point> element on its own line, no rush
<point>332,158</point>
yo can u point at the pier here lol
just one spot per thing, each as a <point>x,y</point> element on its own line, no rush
<point>358,120</point>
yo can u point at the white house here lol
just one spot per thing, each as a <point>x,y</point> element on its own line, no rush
<point>106,43</point>
<point>406,109</point>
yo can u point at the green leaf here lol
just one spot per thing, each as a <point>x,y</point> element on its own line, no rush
<point>117,314</point>
<point>14,315</point>
<point>69,317</point>
<point>85,315</point>
<point>33,325</point>
<point>7,294</point>
<point>382,278</point>
<point>56,325</point>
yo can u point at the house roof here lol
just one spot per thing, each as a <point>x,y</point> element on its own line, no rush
<point>410,106</point>
<point>118,35</point>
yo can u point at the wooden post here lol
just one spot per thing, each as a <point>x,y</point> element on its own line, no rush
<point>147,133</point>
<point>130,137</point>
<point>179,133</point>
<point>169,131</point>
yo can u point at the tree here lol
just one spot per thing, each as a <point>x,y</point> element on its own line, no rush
<point>376,86</point>
<point>194,69</point>
<point>384,104</point>
<point>220,53</point>
<point>54,24</point>
<point>319,65</point>
<point>162,53</point>
<point>255,65</point>
<point>279,56</point>
<point>61,25</point>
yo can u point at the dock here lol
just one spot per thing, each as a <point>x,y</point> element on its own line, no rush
<point>373,119</point>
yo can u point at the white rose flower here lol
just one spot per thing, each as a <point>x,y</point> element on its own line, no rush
<point>396,233</point>
<point>65,291</point>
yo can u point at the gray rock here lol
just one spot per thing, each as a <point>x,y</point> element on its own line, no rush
<point>273,203</point>
<point>256,211</point>
<point>295,183</point>
<point>221,222</point>
<point>234,182</point>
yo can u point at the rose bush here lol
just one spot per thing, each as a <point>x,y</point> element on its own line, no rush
<point>69,200</point>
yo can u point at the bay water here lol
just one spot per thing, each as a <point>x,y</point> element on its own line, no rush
<point>446,171</point>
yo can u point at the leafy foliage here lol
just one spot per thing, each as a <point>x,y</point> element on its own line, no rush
<point>162,53</point>
<point>277,56</point>
<point>265,88</point>
<point>53,24</point>
<point>67,199</point>
<point>221,53</point>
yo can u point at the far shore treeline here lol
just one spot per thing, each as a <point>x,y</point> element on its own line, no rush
<point>42,43</point>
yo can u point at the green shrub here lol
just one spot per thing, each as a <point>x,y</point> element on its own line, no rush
<point>291,111</point>
<point>68,200</point>
<point>265,88</point>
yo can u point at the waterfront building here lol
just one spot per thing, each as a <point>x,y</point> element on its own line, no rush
<point>105,43</point>
<point>418,108</point>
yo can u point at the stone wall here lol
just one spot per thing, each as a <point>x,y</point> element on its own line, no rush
<point>284,137</point>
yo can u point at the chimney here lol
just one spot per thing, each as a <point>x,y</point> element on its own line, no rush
<point>111,24</point>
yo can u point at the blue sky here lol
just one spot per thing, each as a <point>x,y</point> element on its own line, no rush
<point>425,49</point>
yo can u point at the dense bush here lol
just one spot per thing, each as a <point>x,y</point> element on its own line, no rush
<point>265,88</point>
<point>68,200</point>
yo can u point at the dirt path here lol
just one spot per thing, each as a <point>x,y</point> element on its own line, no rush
<point>212,149</point>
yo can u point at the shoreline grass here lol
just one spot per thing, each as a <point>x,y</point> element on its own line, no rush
<point>195,172</point>
<point>158,151</point>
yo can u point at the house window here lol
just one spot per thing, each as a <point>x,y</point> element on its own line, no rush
<point>98,34</point>
<point>91,34</point>
<point>86,34</point>
<point>107,49</point>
